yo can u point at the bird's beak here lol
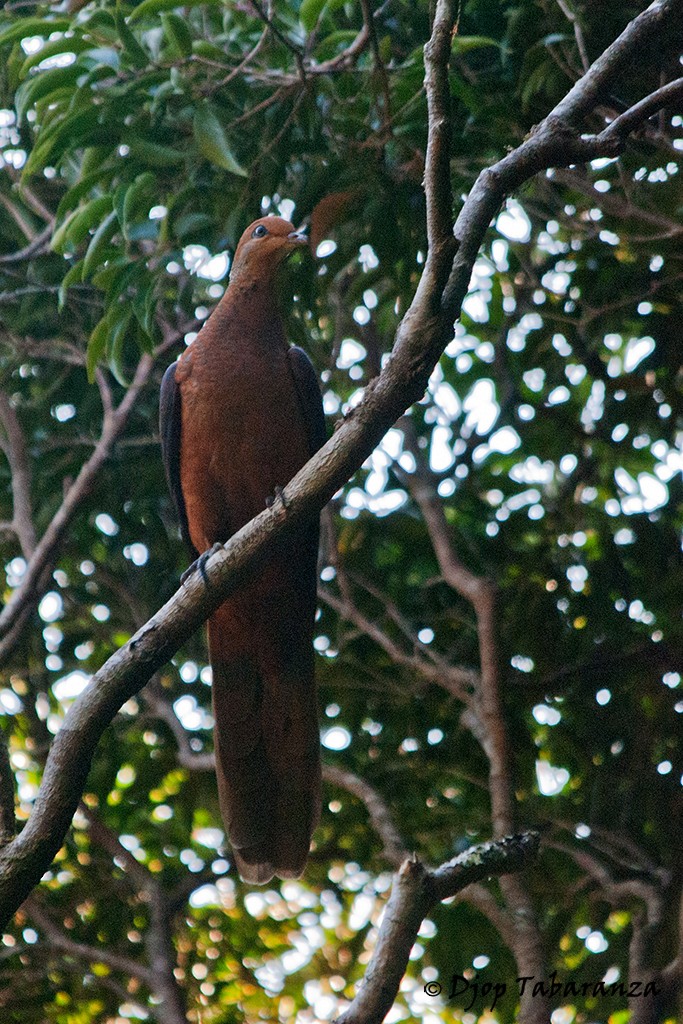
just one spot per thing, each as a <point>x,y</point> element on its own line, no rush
<point>297,237</point>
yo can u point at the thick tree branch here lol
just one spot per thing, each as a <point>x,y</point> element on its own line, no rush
<point>662,20</point>
<point>488,724</point>
<point>646,922</point>
<point>632,118</point>
<point>554,141</point>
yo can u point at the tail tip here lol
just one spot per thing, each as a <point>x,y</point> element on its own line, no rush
<point>260,872</point>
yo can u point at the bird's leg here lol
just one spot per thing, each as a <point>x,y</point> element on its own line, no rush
<point>200,564</point>
<point>279,493</point>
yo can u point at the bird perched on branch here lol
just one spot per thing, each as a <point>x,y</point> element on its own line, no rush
<point>241,412</point>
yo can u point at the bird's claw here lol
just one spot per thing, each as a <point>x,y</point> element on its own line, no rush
<point>279,494</point>
<point>199,564</point>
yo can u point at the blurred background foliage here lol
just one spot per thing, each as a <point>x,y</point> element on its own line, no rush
<point>136,143</point>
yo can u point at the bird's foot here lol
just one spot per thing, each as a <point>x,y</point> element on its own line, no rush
<point>199,564</point>
<point>279,494</point>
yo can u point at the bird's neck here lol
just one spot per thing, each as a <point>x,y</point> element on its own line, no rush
<point>251,302</point>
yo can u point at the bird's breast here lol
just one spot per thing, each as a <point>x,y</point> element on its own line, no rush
<point>242,431</point>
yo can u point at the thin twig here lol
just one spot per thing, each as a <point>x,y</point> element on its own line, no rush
<point>59,940</point>
<point>35,247</point>
<point>267,18</point>
<point>394,849</point>
<point>14,445</point>
<point>45,551</point>
<point>571,16</point>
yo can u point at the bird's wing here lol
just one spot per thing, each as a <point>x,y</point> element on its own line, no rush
<point>169,429</point>
<point>310,399</point>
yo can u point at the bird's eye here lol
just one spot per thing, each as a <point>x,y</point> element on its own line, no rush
<point>260,231</point>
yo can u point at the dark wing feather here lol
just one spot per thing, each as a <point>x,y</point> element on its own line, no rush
<point>169,429</point>
<point>310,399</point>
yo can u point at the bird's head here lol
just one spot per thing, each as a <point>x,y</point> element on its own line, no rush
<point>264,246</point>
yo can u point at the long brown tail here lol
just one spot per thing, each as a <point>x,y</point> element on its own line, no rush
<point>266,740</point>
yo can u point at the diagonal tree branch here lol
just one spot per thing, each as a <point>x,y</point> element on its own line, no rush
<point>44,552</point>
<point>36,246</point>
<point>571,16</point>
<point>380,816</point>
<point>59,940</point>
<point>456,680</point>
<point>421,337</point>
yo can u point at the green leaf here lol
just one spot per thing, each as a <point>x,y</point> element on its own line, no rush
<point>535,83</point>
<point>144,307</point>
<point>75,274</point>
<point>43,84</point>
<point>93,158</point>
<point>309,12</point>
<point>71,199</point>
<point>98,243</point>
<point>203,48</point>
<point>192,224</point>
<point>59,238</point>
<point>154,154</point>
<point>67,44</point>
<point>33,27</point>
<point>144,340</point>
<point>74,229</point>
<point>155,6</point>
<point>67,131</point>
<point>109,274</point>
<point>462,44</point>
<point>117,276</point>
<point>98,22</point>
<point>134,51</point>
<point>177,33</point>
<point>332,44</point>
<point>97,345</point>
<point>210,137</point>
<point>469,96</point>
<point>52,109</point>
<point>117,201</point>
<point>116,342</point>
<point>137,195</point>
